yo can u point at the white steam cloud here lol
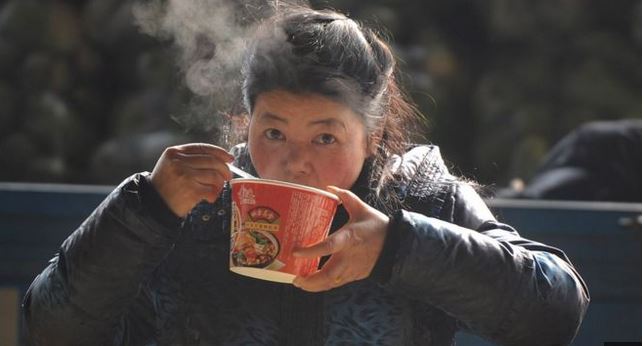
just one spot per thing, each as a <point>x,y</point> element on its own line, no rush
<point>210,34</point>
<point>210,38</point>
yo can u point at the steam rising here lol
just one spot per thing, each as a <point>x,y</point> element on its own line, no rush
<point>210,37</point>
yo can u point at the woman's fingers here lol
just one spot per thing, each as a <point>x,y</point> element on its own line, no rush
<point>355,247</point>
<point>343,238</point>
<point>352,203</point>
<point>206,192</point>
<point>187,174</point>
<point>192,159</point>
<point>209,176</point>
<point>205,149</point>
<point>203,167</point>
<point>333,274</point>
<point>334,243</point>
<point>203,161</point>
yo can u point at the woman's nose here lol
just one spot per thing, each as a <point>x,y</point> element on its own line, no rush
<point>297,160</point>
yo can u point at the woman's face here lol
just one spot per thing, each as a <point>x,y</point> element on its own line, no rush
<point>306,139</point>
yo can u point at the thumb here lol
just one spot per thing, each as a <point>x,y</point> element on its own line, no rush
<point>352,203</point>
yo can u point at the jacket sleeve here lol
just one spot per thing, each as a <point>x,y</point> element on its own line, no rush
<point>82,295</point>
<point>505,288</point>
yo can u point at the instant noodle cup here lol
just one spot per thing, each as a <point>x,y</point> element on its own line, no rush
<point>269,220</point>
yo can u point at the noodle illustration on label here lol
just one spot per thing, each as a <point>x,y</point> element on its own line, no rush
<point>254,244</point>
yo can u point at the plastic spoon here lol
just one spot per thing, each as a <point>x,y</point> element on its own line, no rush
<point>241,172</point>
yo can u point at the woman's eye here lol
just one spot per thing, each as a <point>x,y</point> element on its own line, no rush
<point>325,138</point>
<point>273,134</point>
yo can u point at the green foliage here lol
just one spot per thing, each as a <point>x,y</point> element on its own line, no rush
<point>500,81</point>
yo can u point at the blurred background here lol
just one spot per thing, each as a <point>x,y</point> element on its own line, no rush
<point>86,98</point>
<point>533,99</point>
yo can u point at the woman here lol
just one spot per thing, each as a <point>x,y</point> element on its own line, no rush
<point>415,255</point>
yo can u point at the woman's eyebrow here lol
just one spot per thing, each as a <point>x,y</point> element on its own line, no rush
<point>329,122</point>
<point>268,116</point>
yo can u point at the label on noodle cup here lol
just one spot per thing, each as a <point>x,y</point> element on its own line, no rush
<point>269,220</point>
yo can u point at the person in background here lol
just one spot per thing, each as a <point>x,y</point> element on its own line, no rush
<point>414,254</point>
<point>598,161</point>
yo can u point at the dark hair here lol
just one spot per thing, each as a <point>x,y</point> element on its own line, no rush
<point>302,50</point>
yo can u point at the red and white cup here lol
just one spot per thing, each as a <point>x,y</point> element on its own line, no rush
<point>269,220</point>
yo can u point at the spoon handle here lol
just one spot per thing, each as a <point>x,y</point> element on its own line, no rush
<point>240,172</point>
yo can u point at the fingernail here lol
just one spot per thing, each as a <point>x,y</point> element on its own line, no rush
<point>296,283</point>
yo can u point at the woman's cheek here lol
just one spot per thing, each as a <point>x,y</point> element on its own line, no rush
<point>266,145</point>
<point>263,152</point>
<point>334,162</point>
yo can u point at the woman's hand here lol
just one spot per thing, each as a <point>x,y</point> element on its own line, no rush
<point>354,248</point>
<point>187,174</point>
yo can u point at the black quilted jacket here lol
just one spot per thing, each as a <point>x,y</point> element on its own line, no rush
<point>133,274</point>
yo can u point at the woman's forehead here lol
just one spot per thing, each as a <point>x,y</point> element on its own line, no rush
<point>285,106</point>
